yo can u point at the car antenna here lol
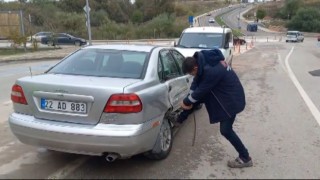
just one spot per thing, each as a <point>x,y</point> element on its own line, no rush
<point>30,71</point>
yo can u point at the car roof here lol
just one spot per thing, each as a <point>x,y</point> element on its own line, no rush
<point>126,47</point>
<point>205,29</point>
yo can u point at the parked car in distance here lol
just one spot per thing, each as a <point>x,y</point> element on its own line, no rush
<point>252,27</point>
<point>38,36</point>
<point>238,40</point>
<point>3,38</point>
<point>294,36</point>
<point>112,100</point>
<point>63,39</point>
<point>318,38</point>
<point>211,20</point>
<point>208,14</point>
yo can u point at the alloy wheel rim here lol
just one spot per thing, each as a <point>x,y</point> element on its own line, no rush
<point>165,137</point>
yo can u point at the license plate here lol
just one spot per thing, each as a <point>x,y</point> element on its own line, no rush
<point>65,106</point>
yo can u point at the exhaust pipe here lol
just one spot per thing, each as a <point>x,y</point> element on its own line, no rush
<point>111,157</point>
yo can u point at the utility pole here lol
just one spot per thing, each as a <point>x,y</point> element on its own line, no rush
<point>239,27</point>
<point>87,10</point>
<point>22,29</point>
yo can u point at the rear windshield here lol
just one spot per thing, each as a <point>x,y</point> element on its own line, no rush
<point>201,40</point>
<point>104,63</point>
<point>292,33</point>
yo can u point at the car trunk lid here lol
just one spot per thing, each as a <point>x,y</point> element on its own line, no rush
<point>69,98</point>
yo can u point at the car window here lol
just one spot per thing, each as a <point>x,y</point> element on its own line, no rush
<point>105,63</point>
<point>201,40</point>
<point>160,70</point>
<point>228,38</point>
<point>170,68</point>
<point>63,35</point>
<point>179,59</point>
<point>292,33</point>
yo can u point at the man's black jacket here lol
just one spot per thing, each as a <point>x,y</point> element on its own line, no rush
<point>217,85</point>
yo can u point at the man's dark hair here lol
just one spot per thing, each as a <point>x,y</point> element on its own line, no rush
<point>188,64</point>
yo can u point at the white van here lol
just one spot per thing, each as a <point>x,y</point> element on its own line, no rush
<point>294,36</point>
<point>198,38</point>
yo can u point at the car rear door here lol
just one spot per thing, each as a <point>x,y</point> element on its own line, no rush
<point>170,74</point>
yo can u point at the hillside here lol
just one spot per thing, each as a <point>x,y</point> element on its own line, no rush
<point>284,15</point>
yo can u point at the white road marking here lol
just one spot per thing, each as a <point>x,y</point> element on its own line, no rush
<point>7,102</point>
<point>281,63</point>
<point>63,172</point>
<point>28,158</point>
<point>315,112</point>
<point>6,147</point>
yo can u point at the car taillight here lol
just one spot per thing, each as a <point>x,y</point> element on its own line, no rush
<point>17,95</point>
<point>123,103</point>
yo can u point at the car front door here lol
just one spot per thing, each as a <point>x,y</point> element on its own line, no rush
<point>171,75</point>
<point>63,39</point>
<point>179,59</point>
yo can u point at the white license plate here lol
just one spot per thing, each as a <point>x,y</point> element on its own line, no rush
<point>65,106</point>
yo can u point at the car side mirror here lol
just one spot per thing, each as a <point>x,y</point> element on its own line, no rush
<point>226,45</point>
<point>174,44</point>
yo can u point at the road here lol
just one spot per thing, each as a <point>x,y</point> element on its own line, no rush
<point>277,126</point>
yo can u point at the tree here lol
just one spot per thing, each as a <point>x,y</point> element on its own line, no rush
<point>307,19</point>
<point>98,17</point>
<point>137,17</point>
<point>72,5</point>
<point>290,9</point>
<point>261,13</point>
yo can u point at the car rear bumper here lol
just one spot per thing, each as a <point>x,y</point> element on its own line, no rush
<point>125,140</point>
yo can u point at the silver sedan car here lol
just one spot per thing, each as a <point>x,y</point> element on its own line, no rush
<point>111,100</point>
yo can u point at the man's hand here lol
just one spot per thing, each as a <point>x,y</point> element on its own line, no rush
<point>185,107</point>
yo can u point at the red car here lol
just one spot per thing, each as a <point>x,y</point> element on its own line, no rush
<point>237,40</point>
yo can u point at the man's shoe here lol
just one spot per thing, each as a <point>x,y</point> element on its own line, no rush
<point>239,163</point>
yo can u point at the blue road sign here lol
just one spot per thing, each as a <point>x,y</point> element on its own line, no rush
<point>191,19</point>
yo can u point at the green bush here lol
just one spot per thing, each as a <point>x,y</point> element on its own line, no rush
<point>307,19</point>
<point>17,39</point>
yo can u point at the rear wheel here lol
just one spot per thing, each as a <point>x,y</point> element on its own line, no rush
<point>77,43</point>
<point>50,43</point>
<point>163,144</point>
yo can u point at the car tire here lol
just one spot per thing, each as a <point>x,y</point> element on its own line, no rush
<point>163,143</point>
<point>77,43</point>
<point>50,43</point>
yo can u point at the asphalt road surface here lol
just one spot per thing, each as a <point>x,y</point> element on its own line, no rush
<point>279,126</point>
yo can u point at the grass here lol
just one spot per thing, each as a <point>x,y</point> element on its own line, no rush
<point>218,19</point>
<point>11,51</point>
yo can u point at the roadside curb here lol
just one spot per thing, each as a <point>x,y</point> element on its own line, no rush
<point>39,55</point>
<point>33,59</point>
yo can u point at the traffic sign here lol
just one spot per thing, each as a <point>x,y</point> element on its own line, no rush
<point>85,9</point>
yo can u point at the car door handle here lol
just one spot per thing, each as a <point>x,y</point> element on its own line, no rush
<point>170,88</point>
<point>187,80</point>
